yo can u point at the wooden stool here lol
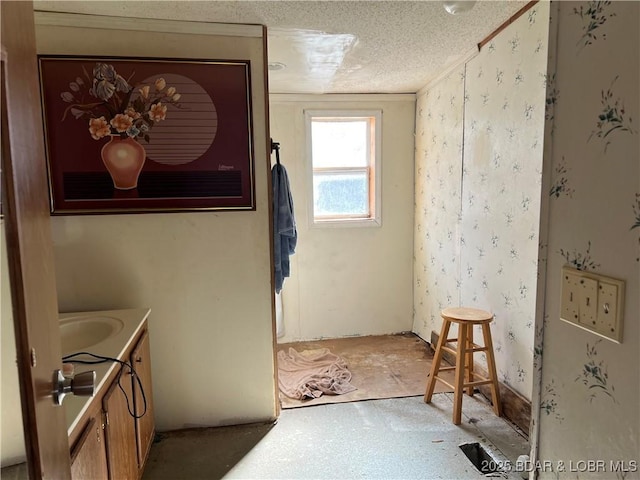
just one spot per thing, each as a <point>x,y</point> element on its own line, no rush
<point>466,318</point>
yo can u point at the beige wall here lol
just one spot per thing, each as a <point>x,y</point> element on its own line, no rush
<point>12,449</point>
<point>205,276</point>
<point>349,281</point>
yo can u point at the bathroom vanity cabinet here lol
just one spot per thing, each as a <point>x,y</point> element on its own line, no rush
<point>120,429</point>
<point>89,459</point>
<point>106,442</point>
<point>145,426</point>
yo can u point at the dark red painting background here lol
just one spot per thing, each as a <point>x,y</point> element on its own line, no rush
<point>71,150</point>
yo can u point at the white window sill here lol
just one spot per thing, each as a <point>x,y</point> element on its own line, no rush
<point>348,223</point>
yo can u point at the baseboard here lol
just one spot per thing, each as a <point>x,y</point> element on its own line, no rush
<point>515,407</point>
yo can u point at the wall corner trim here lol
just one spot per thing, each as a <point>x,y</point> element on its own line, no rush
<point>146,24</point>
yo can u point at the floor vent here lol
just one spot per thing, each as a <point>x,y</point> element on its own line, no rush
<point>479,457</point>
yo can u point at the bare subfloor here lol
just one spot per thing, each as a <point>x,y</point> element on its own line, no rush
<point>386,438</point>
<point>382,366</point>
<point>399,438</point>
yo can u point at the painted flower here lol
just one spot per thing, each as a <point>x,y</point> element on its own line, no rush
<point>133,131</point>
<point>118,108</point>
<point>103,89</point>
<point>160,84</point>
<point>103,72</point>
<point>98,127</point>
<point>77,113</point>
<point>144,91</point>
<point>131,112</point>
<point>121,122</point>
<point>158,112</point>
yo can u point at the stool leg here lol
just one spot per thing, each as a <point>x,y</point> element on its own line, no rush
<point>459,382</point>
<point>437,358</point>
<point>469,359</point>
<point>491,364</point>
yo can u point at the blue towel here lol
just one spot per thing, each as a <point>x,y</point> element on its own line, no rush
<point>285,235</point>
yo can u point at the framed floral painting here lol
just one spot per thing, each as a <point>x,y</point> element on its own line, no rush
<point>137,135</point>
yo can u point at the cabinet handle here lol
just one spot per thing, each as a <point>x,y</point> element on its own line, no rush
<point>139,360</point>
<point>98,434</point>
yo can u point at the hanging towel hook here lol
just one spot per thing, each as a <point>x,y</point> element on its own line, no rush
<point>276,146</point>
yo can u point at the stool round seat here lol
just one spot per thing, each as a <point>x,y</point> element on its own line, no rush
<point>466,377</point>
<point>466,314</point>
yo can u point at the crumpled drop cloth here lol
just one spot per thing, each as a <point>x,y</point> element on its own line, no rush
<point>312,374</point>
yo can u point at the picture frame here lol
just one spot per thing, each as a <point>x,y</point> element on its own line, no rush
<point>135,135</point>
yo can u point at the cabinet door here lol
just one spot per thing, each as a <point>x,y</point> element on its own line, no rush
<point>145,425</point>
<point>120,429</point>
<point>89,458</point>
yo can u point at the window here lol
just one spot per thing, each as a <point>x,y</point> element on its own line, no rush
<point>344,151</point>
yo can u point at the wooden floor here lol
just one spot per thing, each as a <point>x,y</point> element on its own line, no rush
<point>386,366</point>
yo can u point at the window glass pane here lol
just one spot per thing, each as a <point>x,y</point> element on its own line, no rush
<point>341,194</point>
<point>339,143</point>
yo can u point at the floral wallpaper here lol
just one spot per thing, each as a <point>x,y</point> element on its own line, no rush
<point>590,388</point>
<point>504,127</point>
<point>438,195</point>
<point>481,188</point>
<point>478,190</point>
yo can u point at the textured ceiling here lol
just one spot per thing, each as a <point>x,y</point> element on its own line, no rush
<point>336,46</point>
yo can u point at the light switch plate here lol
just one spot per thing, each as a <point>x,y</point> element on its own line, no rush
<point>588,307</point>
<point>593,302</point>
<point>570,297</point>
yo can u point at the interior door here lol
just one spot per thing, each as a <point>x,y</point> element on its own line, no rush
<point>29,246</point>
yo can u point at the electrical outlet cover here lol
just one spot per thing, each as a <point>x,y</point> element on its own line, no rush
<point>593,302</point>
<point>609,311</point>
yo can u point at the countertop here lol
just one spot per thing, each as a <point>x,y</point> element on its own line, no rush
<point>114,347</point>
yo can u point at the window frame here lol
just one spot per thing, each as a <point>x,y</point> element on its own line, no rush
<point>374,168</point>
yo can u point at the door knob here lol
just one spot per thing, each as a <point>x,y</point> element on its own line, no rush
<point>83,384</point>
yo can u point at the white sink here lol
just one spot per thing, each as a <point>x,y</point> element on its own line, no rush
<point>83,332</point>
